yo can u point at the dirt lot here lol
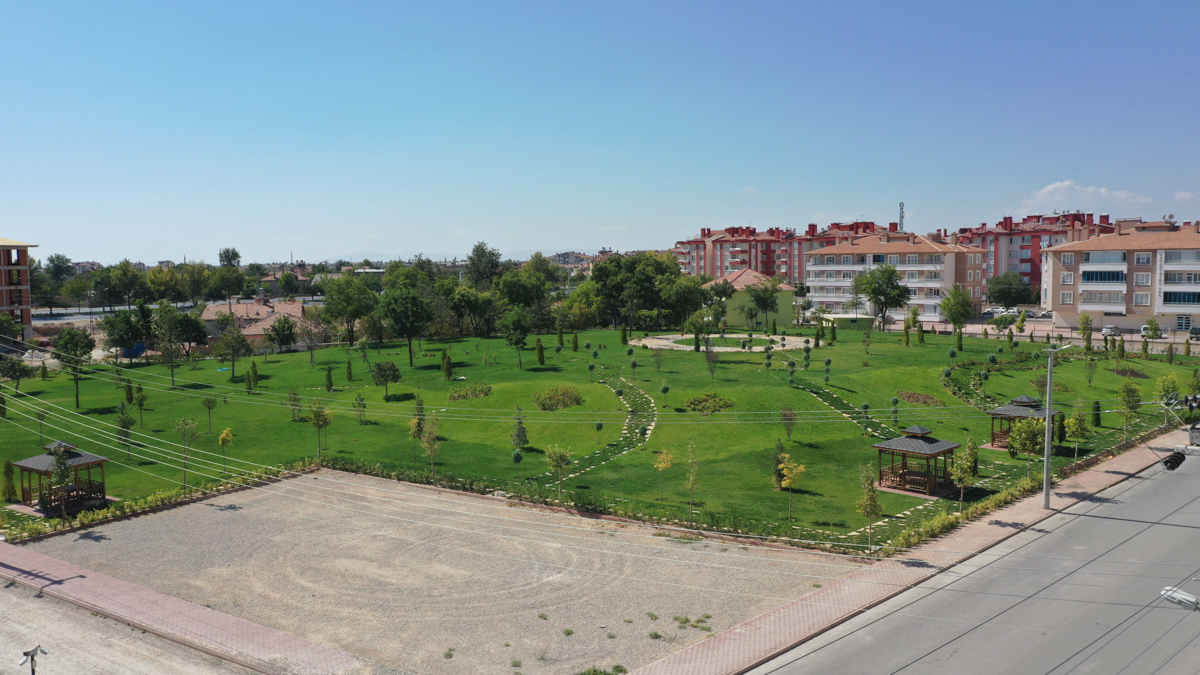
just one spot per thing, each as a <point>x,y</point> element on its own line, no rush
<point>436,583</point>
<point>82,643</point>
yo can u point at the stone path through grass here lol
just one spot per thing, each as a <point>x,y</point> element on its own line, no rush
<point>642,412</point>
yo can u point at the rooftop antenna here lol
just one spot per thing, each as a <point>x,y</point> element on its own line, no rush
<point>901,225</point>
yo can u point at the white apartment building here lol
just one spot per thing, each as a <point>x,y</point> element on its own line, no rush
<point>928,266</point>
<point>1140,271</point>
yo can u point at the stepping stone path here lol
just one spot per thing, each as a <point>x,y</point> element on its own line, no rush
<point>642,412</point>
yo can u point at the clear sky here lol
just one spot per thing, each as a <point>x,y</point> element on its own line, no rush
<point>160,130</point>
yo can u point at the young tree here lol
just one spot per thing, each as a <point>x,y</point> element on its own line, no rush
<point>328,378</point>
<point>231,346</point>
<point>791,476</point>
<point>209,403</point>
<point>225,440</point>
<point>661,464</point>
<point>712,358</point>
<point>1131,400</point>
<point>1089,369</point>
<point>691,481</point>
<point>1078,429</point>
<point>1027,437</point>
<point>73,349</point>
<point>431,443</point>
<point>591,368</point>
<point>1020,323</point>
<point>559,460</point>
<point>1060,429</point>
<point>359,405</point>
<point>384,373</point>
<point>1096,414</point>
<point>61,475</point>
<point>416,425</point>
<point>958,309</point>
<point>1167,391</point>
<point>599,428</point>
<point>349,370</point>
<point>518,456</point>
<point>139,399</point>
<point>9,490</point>
<point>962,471</point>
<point>519,437</point>
<point>186,428</point>
<point>659,355</point>
<point>1121,349</point>
<point>515,327</point>
<point>574,342</point>
<point>293,404</point>
<point>868,505</point>
<point>312,334</point>
<point>788,417</point>
<point>12,368</point>
<point>320,418</point>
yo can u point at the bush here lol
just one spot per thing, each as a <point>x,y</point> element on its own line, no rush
<point>706,404</point>
<point>557,398</point>
<point>459,392</point>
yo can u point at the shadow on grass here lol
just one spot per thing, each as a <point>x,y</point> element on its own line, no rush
<point>398,398</point>
<point>544,369</point>
<point>195,385</point>
<point>107,410</point>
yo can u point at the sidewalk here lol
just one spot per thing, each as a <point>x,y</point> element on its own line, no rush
<point>259,648</point>
<point>748,644</point>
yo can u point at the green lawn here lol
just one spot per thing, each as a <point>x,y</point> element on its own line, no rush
<point>734,449</point>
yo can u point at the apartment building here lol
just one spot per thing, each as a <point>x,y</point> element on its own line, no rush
<point>15,298</point>
<point>1141,270</point>
<point>929,266</point>
<point>1016,246</point>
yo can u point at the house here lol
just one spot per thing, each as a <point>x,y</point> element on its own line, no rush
<point>271,281</point>
<point>252,318</point>
<point>741,297</point>
<point>15,298</point>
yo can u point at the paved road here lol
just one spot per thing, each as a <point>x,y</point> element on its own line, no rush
<point>1063,598</point>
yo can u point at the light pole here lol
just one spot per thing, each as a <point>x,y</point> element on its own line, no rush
<point>31,658</point>
<point>1049,427</point>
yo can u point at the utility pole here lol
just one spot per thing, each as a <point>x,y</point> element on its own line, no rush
<point>1049,427</point>
<point>31,658</point>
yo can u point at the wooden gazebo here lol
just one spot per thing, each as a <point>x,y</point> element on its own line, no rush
<point>1004,417</point>
<point>84,491</point>
<point>917,462</point>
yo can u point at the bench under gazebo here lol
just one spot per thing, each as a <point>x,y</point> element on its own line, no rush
<point>917,462</point>
<point>1004,417</point>
<point>84,491</point>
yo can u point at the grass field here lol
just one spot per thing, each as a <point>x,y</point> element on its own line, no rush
<point>734,449</point>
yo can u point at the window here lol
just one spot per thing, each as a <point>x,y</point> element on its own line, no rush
<point>1012,252</point>
<point>847,275</point>
<point>1066,278</point>
<point>991,255</point>
<point>933,293</point>
<point>1012,267</point>
<point>1068,258</point>
<point>1141,299</point>
<point>847,259</point>
<point>1181,278</point>
<point>831,275</point>
<point>911,276</point>
<point>1182,256</point>
<point>1102,278</point>
<point>1027,239</point>
<point>1066,298</point>
<point>1045,240</point>
<point>893,260</point>
<point>933,276</point>
<point>1178,298</point>
<point>1026,254</point>
<point>830,259</point>
<point>1141,279</point>
<point>877,259</point>
<point>934,259</point>
<point>1104,256</point>
<point>1141,258</point>
<point>911,258</point>
<point>1183,322</point>
<point>912,292</point>
<point>1103,297</point>
<point>1025,268</point>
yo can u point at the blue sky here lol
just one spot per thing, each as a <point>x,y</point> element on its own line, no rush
<point>159,130</point>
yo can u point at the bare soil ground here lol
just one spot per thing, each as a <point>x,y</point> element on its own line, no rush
<point>432,582</point>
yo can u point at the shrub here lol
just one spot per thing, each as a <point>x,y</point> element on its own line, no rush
<point>706,404</point>
<point>459,392</point>
<point>557,398</point>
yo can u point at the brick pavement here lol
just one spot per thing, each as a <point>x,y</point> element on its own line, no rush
<point>248,644</point>
<point>753,642</point>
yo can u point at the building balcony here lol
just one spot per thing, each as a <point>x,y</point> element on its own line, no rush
<point>1114,287</point>
<point>1102,307</point>
<point>1103,267</point>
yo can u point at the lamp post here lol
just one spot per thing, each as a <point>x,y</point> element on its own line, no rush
<point>1049,427</point>
<point>31,658</point>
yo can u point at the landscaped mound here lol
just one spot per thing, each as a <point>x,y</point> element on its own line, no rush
<point>914,397</point>
<point>556,398</point>
<point>459,392</point>
<point>707,404</point>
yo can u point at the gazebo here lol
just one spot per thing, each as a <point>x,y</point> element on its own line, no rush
<point>82,492</point>
<point>917,462</point>
<point>1004,417</point>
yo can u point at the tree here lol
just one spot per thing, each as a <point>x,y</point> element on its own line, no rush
<point>430,442</point>
<point>320,418</point>
<point>1009,290</point>
<point>1130,397</point>
<point>1060,429</point>
<point>281,334</point>
<point>1096,414</point>
<point>691,481</point>
<point>225,440</point>
<point>231,346</point>
<point>416,425</point>
<point>515,327</point>
<point>73,349</point>
<point>288,284</point>
<point>483,265</point>
<point>791,475</point>
<point>186,428</point>
<point>328,378</point>
<point>312,335</point>
<point>1152,330</point>
<point>1078,429</point>
<point>788,417</point>
<point>1027,437</point>
<point>541,356</point>
<point>764,296</point>
<point>520,439</point>
<point>712,358</point>
<point>665,389</point>
<point>359,406</point>
<point>661,464</point>
<point>1167,391</point>
<point>559,460</point>
<point>1085,329</point>
<point>384,373</point>
<point>962,471</point>
<point>574,342</point>
<point>13,368</point>
<point>9,490</point>
<point>518,456</point>
<point>958,308</point>
<point>868,505</point>
<point>139,399</point>
<point>882,287</point>
<point>209,403</point>
<point>228,282</point>
<point>229,257</point>
<point>406,312</point>
<point>1020,323</point>
<point>60,475</point>
<point>1121,349</point>
<point>348,299</point>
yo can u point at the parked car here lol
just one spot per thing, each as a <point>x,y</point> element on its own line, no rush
<point>1012,311</point>
<point>996,311</point>
<point>886,320</point>
<point>987,314</point>
<point>1110,331</point>
<point>1048,314</point>
<point>1194,333</point>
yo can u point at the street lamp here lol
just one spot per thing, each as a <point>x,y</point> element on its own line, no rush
<point>31,658</point>
<point>1049,426</point>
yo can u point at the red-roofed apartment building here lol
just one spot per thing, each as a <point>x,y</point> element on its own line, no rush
<point>15,298</point>
<point>1016,246</point>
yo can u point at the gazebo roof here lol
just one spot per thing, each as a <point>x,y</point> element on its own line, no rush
<point>44,463</point>
<point>926,446</point>
<point>1025,400</point>
<point>1012,410</point>
<point>917,430</point>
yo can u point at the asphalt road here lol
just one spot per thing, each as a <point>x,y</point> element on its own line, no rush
<point>1078,593</point>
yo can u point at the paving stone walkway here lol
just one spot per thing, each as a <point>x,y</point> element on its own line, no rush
<point>749,644</point>
<point>256,647</point>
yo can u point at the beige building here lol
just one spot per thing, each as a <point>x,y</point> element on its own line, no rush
<point>1142,270</point>
<point>929,266</point>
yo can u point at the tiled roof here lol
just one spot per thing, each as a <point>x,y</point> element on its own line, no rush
<point>1037,412</point>
<point>1145,240</point>
<point>13,243</point>
<point>748,277</point>
<point>45,461</point>
<point>917,445</point>
<point>252,311</point>
<point>896,244</point>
